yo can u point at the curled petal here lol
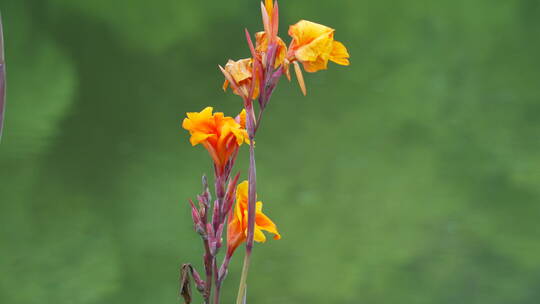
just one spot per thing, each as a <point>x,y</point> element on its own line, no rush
<point>339,54</point>
<point>263,222</point>
<point>258,236</point>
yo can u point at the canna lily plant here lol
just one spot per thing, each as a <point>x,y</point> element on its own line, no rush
<point>235,209</point>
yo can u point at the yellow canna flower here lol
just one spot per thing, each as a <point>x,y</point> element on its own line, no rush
<point>237,227</point>
<point>262,47</point>
<point>241,73</point>
<point>314,45</point>
<point>220,135</point>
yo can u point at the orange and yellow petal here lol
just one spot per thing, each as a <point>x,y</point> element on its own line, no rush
<point>241,135</point>
<point>242,193</point>
<point>198,137</point>
<point>315,66</point>
<point>187,124</point>
<point>241,199</point>
<point>339,53</point>
<point>263,222</point>
<point>204,114</point>
<point>242,118</point>
<point>304,32</point>
<point>258,235</point>
<point>235,234</point>
<point>318,47</point>
<point>220,135</point>
<point>313,45</point>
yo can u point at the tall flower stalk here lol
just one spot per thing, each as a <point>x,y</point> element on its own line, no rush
<point>253,79</point>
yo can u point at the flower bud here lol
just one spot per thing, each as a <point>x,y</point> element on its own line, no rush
<point>217,214</point>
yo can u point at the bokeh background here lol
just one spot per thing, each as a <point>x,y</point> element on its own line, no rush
<point>412,176</point>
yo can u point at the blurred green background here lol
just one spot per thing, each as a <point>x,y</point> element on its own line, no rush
<point>412,176</point>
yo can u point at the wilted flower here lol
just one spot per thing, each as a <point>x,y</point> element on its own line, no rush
<point>313,45</point>
<point>239,73</point>
<point>237,228</point>
<point>220,135</point>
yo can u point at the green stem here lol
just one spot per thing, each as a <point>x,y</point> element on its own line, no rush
<point>243,279</point>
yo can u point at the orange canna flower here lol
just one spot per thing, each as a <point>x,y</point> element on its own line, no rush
<point>314,45</point>
<point>219,134</point>
<point>237,227</point>
<point>261,46</point>
<point>241,73</point>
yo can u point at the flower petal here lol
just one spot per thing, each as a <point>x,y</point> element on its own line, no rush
<point>241,118</point>
<point>263,222</point>
<point>205,113</point>
<point>339,54</point>
<point>187,124</point>
<point>240,70</point>
<point>319,47</point>
<point>303,32</point>
<point>198,137</point>
<point>315,66</point>
<point>235,234</point>
<point>258,236</point>
<point>242,195</point>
